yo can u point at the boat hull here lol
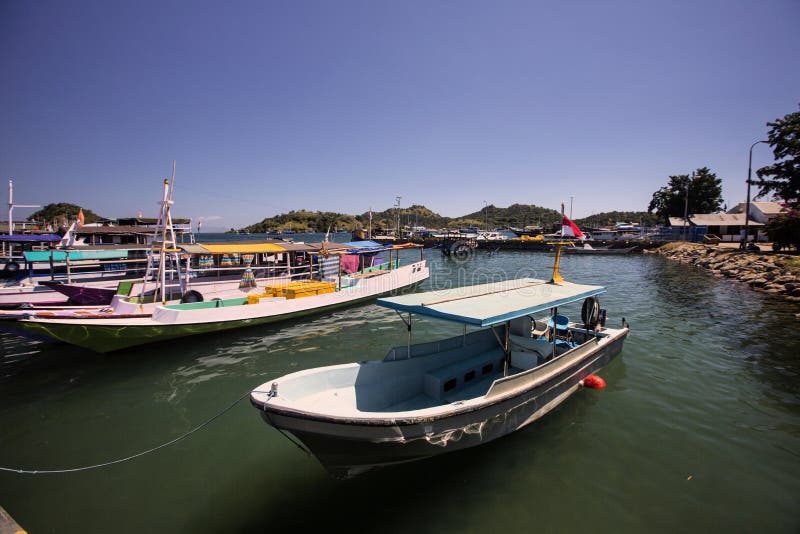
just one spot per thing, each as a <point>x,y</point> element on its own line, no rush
<point>103,333</point>
<point>350,447</point>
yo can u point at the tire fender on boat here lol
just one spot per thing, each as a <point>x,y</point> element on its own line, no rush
<point>10,269</point>
<point>191,296</point>
<point>590,312</point>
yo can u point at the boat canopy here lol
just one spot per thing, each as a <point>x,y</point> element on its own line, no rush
<point>493,303</point>
<point>30,238</point>
<point>243,248</point>
<point>61,255</point>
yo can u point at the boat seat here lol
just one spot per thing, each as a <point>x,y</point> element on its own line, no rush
<point>442,382</point>
<point>561,322</point>
<point>527,353</point>
<point>540,329</point>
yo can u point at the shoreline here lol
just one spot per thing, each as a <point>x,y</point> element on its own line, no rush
<point>774,274</point>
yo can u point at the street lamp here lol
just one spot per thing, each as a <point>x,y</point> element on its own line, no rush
<point>485,215</point>
<point>743,244</point>
<point>686,212</point>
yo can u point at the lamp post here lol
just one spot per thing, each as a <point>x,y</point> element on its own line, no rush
<point>485,215</point>
<point>743,244</point>
<point>571,197</point>
<point>686,212</point>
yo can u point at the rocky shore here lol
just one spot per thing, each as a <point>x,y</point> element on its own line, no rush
<point>777,274</point>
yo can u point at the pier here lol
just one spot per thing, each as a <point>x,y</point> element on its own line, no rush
<point>8,525</point>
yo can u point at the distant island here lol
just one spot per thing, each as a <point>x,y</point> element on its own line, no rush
<point>514,216</point>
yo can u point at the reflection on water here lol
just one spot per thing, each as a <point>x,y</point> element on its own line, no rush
<point>698,429</point>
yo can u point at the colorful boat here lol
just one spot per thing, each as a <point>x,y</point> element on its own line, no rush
<point>131,322</point>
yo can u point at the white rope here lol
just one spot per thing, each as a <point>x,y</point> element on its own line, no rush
<point>133,456</point>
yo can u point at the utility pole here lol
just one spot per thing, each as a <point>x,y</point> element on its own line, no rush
<point>397,215</point>
<point>743,244</point>
<point>686,211</point>
<point>570,206</point>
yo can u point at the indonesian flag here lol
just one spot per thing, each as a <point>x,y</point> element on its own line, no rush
<point>569,228</point>
<point>80,218</point>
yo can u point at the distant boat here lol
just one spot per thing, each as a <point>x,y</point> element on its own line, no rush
<point>492,235</point>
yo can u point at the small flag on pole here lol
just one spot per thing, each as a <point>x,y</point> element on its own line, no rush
<point>569,228</point>
<point>80,218</point>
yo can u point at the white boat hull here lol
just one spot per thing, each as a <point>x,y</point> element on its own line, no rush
<point>350,444</point>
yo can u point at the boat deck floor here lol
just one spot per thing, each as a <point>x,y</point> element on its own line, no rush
<point>344,400</point>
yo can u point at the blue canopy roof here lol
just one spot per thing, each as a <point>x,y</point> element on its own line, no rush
<point>365,246</point>
<point>494,303</point>
<point>32,238</point>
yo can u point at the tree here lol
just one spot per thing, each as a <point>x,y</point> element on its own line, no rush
<point>63,212</point>
<point>784,229</point>
<point>705,195</point>
<point>782,178</point>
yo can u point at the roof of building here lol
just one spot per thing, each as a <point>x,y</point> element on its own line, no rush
<point>714,219</point>
<point>767,208</point>
<point>721,219</point>
<point>138,230</point>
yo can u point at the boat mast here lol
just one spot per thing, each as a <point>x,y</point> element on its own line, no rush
<point>11,207</point>
<point>164,244</point>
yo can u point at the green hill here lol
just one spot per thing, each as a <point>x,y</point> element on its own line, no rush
<point>518,215</point>
<point>305,221</point>
<point>609,218</point>
<point>63,213</point>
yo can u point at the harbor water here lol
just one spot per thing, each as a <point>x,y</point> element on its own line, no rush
<point>698,429</point>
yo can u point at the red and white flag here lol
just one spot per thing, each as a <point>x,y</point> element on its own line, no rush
<point>569,228</point>
<point>80,218</point>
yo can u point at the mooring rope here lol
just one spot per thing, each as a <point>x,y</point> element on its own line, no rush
<point>133,456</point>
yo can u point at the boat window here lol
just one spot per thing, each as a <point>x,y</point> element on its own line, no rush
<point>450,384</point>
<point>487,369</point>
<point>469,376</point>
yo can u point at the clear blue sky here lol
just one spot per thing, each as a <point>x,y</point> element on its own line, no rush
<point>269,106</point>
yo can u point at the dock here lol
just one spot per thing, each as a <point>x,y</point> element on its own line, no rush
<point>8,525</point>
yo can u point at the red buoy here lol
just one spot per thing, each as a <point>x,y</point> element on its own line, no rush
<point>594,382</point>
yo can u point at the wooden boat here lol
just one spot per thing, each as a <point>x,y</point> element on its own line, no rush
<point>130,324</point>
<point>426,399</point>
<point>332,276</point>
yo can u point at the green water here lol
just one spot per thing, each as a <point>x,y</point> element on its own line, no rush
<point>697,431</point>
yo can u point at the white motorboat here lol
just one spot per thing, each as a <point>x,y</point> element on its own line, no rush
<point>422,400</point>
